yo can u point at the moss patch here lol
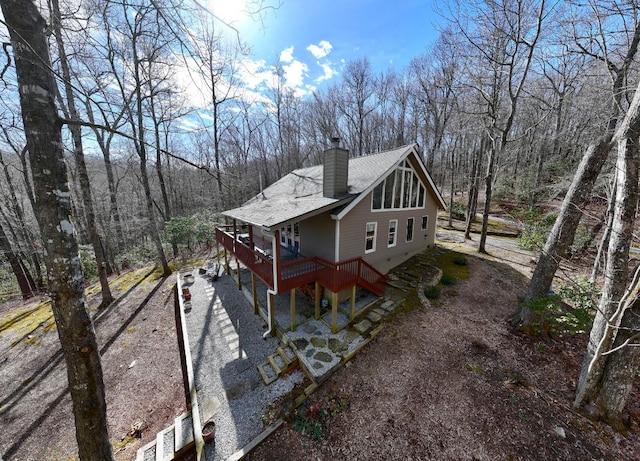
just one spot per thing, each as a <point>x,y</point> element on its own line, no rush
<point>448,262</point>
<point>26,322</point>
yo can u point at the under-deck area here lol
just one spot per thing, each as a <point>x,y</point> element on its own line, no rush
<point>309,287</point>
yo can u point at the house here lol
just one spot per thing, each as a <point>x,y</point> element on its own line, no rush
<point>338,225</point>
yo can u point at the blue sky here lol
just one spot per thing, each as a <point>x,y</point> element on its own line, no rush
<point>312,39</point>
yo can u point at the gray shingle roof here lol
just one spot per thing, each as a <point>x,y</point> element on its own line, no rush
<point>299,193</point>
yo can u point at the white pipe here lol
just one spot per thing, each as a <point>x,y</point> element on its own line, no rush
<point>275,285</point>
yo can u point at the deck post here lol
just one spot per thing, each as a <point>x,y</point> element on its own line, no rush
<point>292,307</point>
<point>334,312</point>
<point>353,303</point>
<point>238,270</point>
<point>317,300</point>
<point>235,242</point>
<point>254,292</point>
<point>226,261</point>
<point>272,308</point>
<point>277,257</point>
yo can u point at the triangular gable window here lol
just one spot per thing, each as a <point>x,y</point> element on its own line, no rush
<point>401,189</point>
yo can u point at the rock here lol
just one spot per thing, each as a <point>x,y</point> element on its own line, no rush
<point>310,352</point>
<point>137,429</point>
<point>560,432</point>
<point>318,342</point>
<point>362,326</point>
<point>337,345</point>
<point>322,357</point>
<point>374,317</point>
<point>300,343</point>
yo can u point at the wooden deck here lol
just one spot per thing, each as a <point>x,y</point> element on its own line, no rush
<point>293,274</point>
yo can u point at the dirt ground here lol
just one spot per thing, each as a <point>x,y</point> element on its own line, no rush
<point>452,382</point>
<point>141,366</point>
<point>444,382</point>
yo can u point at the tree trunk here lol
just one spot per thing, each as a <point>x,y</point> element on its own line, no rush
<point>616,274</point>
<point>105,148</point>
<point>78,155</point>
<point>142,153</point>
<point>23,277</point>
<point>621,369</point>
<point>37,88</point>
<point>487,199</point>
<point>564,228</point>
<point>616,298</point>
<point>161,182</point>
<point>473,193</point>
<point>604,241</point>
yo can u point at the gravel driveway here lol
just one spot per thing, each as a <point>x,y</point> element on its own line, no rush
<point>225,337</point>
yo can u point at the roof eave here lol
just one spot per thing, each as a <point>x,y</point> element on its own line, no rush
<point>301,217</point>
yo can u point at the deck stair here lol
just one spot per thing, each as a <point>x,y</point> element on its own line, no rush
<point>278,364</point>
<point>170,443</point>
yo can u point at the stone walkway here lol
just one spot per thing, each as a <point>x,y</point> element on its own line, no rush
<point>226,343</point>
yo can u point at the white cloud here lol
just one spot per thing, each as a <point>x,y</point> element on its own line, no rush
<point>321,50</point>
<point>255,74</point>
<point>287,55</point>
<point>294,73</point>
<point>329,72</point>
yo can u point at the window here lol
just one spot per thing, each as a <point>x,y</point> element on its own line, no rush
<point>409,229</point>
<point>425,222</point>
<point>400,190</point>
<point>393,233</point>
<point>377,196</point>
<point>370,237</point>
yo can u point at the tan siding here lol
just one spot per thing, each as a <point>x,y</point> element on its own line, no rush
<point>317,236</point>
<point>352,233</point>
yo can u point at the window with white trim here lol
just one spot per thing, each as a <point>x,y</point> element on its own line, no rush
<point>425,222</point>
<point>370,237</point>
<point>393,233</point>
<point>410,229</point>
<point>402,189</point>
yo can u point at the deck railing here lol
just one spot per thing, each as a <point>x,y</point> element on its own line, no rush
<point>257,262</point>
<point>293,274</point>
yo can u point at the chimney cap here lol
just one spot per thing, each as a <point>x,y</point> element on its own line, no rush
<point>335,141</point>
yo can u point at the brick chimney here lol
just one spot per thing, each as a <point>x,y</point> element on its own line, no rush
<point>335,170</point>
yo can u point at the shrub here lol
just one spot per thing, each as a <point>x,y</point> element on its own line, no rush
<point>559,317</point>
<point>458,210</point>
<point>536,228</point>
<point>89,265</point>
<point>459,260</point>
<point>307,421</point>
<point>447,280</point>
<point>432,292</point>
<point>308,418</point>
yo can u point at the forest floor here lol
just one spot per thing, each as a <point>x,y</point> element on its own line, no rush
<point>140,361</point>
<point>445,381</point>
<point>451,381</point>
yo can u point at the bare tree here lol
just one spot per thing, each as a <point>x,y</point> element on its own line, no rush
<point>71,112</point>
<point>504,37</point>
<point>143,25</point>
<point>37,87</point>
<point>357,101</point>
<point>436,75</point>
<point>596,45</point>
<point>607,376</point>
